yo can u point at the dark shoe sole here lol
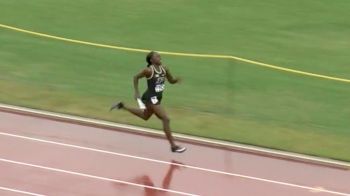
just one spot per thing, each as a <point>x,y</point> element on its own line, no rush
<point>117,106</point>
<point>179,150</point>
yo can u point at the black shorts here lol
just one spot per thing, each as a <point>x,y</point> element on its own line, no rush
<point>154,99</point>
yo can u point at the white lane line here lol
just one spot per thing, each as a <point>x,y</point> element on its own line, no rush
<point>319,187</point>
<point>19,191</point>
<point>94,177</point>
<point>170,163</point>
<point>182,136</point>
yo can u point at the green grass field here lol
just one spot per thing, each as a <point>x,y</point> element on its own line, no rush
<point>219,98</point>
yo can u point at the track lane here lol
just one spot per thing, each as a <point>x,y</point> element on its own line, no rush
<point>213,158</point>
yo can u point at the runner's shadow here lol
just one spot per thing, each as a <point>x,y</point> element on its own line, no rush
<point>166,182</point>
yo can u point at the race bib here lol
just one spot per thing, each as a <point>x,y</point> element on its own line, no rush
<point>159,88</point>
<point>154,99</point>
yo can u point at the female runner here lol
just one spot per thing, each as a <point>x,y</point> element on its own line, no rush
<point>155,73</point>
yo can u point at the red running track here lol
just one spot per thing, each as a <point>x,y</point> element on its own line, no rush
<point>40,156</point>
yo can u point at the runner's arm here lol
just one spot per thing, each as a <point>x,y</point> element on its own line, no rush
<point>169,76</point>
<point>144,73</point>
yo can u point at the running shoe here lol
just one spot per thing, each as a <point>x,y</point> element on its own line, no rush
<point>178,149</point>
<point>117,106</point>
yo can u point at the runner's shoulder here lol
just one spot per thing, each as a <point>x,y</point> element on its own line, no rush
<point>147,71</point>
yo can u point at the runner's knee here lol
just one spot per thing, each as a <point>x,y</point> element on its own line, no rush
<point>146,117</point>
<point>165,119</point>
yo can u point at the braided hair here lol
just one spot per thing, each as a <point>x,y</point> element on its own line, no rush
<point>149,57</point>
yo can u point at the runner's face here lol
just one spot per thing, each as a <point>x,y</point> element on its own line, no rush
<point>156,59</point>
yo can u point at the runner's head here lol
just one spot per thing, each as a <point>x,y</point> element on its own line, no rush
<point>153,58</point>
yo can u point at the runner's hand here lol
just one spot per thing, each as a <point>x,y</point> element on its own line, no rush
<point>178,80</point>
